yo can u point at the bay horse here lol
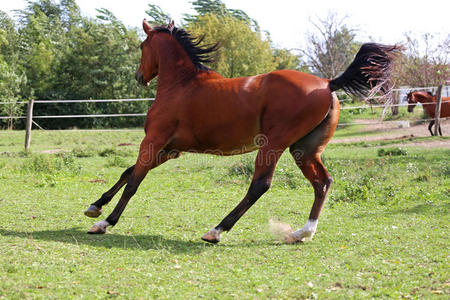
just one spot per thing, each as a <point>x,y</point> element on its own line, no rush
<point>197,110</point>
<point>428,101</point>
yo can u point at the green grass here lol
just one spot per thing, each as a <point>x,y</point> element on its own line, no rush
<point>383,231</point>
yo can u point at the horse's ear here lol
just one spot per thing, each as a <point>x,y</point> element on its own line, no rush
<point>171,25</point>
<point>147,27</point>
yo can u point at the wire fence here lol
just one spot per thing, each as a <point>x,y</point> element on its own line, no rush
<point>400,91</point>
<point>30,118</point>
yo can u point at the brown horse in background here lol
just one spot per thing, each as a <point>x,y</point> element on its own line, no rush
<point>197,110</point>
<point>428,101</point>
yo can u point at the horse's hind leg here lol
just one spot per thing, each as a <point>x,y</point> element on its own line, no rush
<point>266,161</point>
<point>95,209</point>
<point>320,179</point>
<point>306,153</point>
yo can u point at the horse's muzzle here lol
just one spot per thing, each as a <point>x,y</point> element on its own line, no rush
<point>140,78</point>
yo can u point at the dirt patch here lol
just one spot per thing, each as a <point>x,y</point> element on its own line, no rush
<point>388,131</point>
<point>97,180</point>
<point>52,151</point>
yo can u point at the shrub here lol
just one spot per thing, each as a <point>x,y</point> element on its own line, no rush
<point>392,152</point>
<point>50,164</point>
<point>352,193</point>
<point>84,152</point>
<point>117,161</point>
<point>245,167</point>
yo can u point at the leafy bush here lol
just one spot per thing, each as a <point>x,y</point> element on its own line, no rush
<point>392,152</point>
<point>245,167</point>
<point>117,161</point>
<point>50,164</point>
<point>84,152</point>
<point>115,152</point>
<point>352,193</point>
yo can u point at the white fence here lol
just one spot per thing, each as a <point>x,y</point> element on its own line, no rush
<point>399,93</point>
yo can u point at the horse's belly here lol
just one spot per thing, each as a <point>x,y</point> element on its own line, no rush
<point>231,139</point>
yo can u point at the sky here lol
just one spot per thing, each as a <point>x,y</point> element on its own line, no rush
<point>289,21</point>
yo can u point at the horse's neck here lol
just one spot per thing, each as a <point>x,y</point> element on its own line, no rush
<point>174,64</point>
<point>426,98</point>
<point>429,105</point>
<point>176,67</point>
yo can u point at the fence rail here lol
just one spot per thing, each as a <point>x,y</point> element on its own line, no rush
<point>31,103</point>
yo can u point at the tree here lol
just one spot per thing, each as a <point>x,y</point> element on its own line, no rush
<point>243,51</point>
<point>100,64</point>
<point>332,48</point>
<point>12,78</point>
<point>425,63</point>
<point>219,9</point>
<point>41,46</point>
<point>286,60</point>
<point>157,15</point>
<point>236,57</point>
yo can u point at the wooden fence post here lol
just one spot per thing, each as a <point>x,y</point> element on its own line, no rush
<point>437,113</point>
<point>29,124</point>
<point>395,102</point>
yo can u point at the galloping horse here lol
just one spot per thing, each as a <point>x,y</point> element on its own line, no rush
<point>429,105</point>
<point>197,110</point>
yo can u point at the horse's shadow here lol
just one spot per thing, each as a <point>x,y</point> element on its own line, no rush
<point>143,242</point>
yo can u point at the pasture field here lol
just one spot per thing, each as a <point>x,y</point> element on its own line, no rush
<point>383,232</point>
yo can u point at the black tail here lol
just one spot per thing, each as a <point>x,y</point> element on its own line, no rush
<point>369,72</point>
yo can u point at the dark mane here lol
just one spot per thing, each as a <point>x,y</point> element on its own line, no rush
<point>191,44</point>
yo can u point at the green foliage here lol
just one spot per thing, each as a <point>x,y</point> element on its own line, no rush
<point>84,151</point>
<point>50,164</point>
<point>219,9</point>
<point>157,15</point>
<point>117,161</point>
<point>395,151</point>
<point>244,167</point>
<point>12,78</point>
<point>286,60</point>
<point>242,53</point>
<point>352,193</point>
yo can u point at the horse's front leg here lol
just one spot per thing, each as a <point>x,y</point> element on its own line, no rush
<point>151,155</point>
<point>430,127</point>
<point>95,209</point>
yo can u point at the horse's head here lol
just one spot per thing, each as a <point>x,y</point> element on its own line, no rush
<point>148,68</point>
<point>412,101</point>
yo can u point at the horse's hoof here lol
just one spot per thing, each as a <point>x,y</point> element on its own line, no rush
<point>97,230</point>
<point>299,236</point>
<point>93,212</point>
<point>289,239</point>
<point>212,236</point>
